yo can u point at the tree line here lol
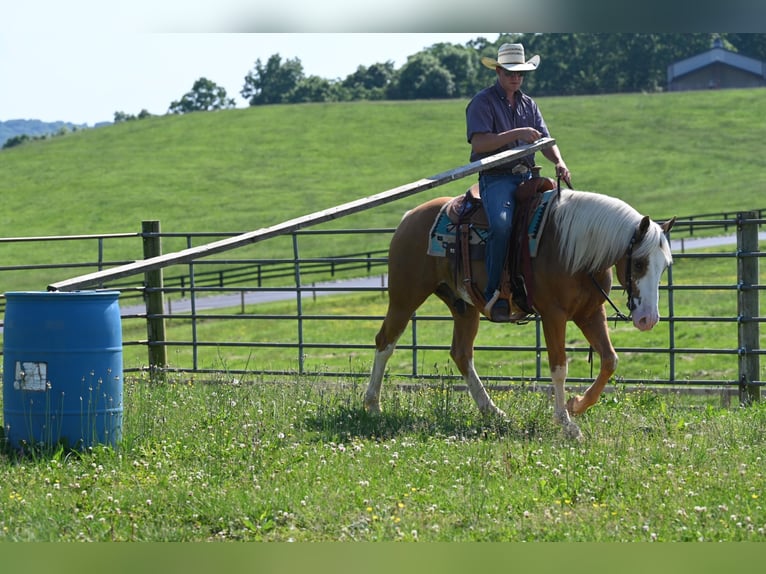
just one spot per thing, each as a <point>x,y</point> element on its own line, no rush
<point>572,64</point>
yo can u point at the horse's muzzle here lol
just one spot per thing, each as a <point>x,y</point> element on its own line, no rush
<point>645,321</point>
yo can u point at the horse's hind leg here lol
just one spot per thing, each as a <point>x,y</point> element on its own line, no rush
<point>412,277</point>
<point>385,343</point>
<point>465,327</point>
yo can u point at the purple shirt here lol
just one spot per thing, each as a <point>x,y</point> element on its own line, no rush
<point>490,112</point>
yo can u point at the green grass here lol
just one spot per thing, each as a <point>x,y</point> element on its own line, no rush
<point>297,458</point>
<point>498,352</point>
<point>240,170</point>
<point>300,460</point>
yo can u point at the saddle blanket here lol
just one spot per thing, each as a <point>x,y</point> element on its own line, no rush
<point>443,234</point>
<point>443,237</point>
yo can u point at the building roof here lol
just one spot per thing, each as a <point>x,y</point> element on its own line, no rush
<point>717,54</point>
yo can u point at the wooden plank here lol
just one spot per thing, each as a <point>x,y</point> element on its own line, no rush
<point>748,309</point>
<point>323,216</point>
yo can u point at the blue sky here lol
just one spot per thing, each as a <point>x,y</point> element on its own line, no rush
<point>83,60</point>
<point>84,77</point>
<point>83,65</point>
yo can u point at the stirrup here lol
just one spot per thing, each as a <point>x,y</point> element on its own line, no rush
<point>491,302</point>
<point>515,315</point>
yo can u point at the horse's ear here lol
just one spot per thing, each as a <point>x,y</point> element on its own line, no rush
<point>666,227</point>
<point>643,227</point>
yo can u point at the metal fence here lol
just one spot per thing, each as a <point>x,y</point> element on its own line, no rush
<point>170,318</point>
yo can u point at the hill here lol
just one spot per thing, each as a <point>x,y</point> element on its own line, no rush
<point>33,128</point>
<point>239,170</point>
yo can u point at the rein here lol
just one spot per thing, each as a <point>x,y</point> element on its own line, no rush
<point>631,305</point>
<point>628,280</point>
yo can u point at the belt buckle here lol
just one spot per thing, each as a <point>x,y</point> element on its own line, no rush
<point>519,169</point>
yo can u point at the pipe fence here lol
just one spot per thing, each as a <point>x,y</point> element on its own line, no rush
<point>316,316</point>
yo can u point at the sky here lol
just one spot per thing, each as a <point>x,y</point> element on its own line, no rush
<point>81,61</point>
<point>85,78</point>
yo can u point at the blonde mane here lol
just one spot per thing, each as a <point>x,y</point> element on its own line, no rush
<point>595,231</point>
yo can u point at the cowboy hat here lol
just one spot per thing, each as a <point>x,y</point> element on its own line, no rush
<point>511,57</point>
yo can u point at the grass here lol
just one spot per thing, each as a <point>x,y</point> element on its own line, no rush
<point>502,349</point>
<point>240,170</point>
<point>299,460</point>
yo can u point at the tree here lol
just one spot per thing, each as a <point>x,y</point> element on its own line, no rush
<point>751,45</point>
<point>423,77</point>
<point>205,96</point>
<point>273,83</point>
<point>369,83</point>
<point>463,64</point>
<point>316,89</point>
<point>120,117</point>
<point>16,140</point>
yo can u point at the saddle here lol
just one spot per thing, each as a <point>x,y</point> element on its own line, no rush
<point>469,220</point>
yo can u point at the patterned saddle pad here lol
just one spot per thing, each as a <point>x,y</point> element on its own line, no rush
<point>443,234</point>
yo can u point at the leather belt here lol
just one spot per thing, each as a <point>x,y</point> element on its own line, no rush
<point>518,169</point>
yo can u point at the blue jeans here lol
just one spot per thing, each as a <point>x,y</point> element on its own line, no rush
<point>498,194</point>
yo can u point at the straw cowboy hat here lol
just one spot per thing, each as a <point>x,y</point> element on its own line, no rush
<point>511,57</point>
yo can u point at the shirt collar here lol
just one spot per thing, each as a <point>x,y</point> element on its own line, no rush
<point>501,92</point>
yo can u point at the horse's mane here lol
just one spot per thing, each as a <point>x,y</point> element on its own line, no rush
<point>595,230</point>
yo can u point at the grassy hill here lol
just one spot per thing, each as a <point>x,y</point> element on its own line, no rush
<point>239,170</point>
<point>33,128</point>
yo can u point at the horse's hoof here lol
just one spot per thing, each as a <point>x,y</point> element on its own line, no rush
<point>372,407</point>
<point>572,431</point>
<point>493,412</point>
<point>570,428</point>
<point>575,405</point>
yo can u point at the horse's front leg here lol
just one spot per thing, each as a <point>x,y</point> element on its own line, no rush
<point>596,330</point>
<point>554,328</point>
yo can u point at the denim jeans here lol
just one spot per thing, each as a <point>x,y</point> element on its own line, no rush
<point>498,196</point>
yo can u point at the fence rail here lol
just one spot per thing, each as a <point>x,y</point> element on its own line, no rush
<point>233,291</point>
<point>263,317</point>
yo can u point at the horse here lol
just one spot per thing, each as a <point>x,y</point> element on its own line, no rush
<point>586,235</point>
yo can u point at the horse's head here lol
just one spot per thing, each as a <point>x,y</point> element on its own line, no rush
<point>640,269</point>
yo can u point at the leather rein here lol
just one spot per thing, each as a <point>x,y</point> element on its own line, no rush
<point>628,280</point>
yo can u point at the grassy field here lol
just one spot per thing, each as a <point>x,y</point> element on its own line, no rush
<point>301,461</point>
<point>503,350</point>
<point>239,170</point>
<point>296,458</point>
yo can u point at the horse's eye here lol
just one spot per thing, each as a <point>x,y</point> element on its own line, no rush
<point>638,266</point>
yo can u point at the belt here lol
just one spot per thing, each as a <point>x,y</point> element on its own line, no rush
<point>518,169</point>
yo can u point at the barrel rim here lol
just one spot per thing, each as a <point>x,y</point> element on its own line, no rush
<point>92,293</point>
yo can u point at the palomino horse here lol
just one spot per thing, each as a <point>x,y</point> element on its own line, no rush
<point>586,235</point>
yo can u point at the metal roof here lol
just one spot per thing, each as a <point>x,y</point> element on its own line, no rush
<point>717,54</point>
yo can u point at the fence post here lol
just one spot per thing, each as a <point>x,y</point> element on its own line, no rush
<point>747,307</point>
<point>155,299</point>
<point>299,301</point>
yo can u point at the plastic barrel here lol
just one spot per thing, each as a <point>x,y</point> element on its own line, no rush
<point>62,369</point>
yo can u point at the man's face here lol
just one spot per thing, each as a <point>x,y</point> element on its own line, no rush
<point>510,81</point>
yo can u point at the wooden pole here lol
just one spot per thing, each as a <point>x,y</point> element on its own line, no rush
<point>336,212</point>
<point>155,299</point>
<point>747,307</point>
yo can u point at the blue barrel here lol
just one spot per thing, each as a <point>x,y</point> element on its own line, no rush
<point>62,369</point>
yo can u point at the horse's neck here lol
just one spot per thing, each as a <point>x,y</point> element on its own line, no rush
<point>595,230</point>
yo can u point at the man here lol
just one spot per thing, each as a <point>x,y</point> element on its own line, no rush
<point>498,118</point>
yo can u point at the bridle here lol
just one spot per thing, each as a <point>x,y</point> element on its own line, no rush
<point>628,281</point>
